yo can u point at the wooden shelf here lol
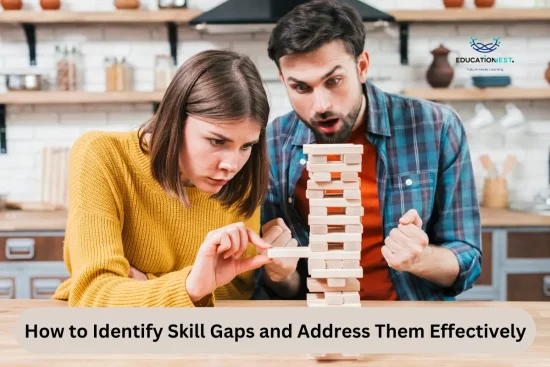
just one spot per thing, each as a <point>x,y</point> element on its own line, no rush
<point>472,15</point>
<point>43,97</point>
<point>476,94</point>
<point>118,16</point>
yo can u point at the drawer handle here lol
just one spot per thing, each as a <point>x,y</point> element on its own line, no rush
<point>6,289</point>
<point>19,248</point>
<point>546,286</point>
<point>44,288</point>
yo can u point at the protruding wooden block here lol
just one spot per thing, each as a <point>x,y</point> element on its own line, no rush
<point>335,184</point>
<point>318,246</point>
<point>318,211</point>
<point>315,194</point>
<point>334,298</point>
<point>336,237</point>
<point>355,211</point>
<point>333,167</point>
<point>333,285</point>
<point>354,228</point>
<point>350,264</point>
<point>318,229</point>
<point>349,176</point>
<point>337,273</point>
<point>352,246</point>
<point>352,158</point>
<point>330,202</point>
<point>333,219</point>
<point>315,264</point>
<point>317,159</point>
<point>332,149</point>
<point>352,194</point>
<point>336,255</point>
<point>351,297</point>
<point>292,252</point>
<point>334,264</point>
<point>320,176</point>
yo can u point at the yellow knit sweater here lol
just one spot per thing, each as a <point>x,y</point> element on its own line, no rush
<point>119,216</point>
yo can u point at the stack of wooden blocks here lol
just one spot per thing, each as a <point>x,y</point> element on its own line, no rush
<point>334,250</point>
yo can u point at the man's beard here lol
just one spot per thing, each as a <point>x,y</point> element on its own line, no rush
<point>342,134</point>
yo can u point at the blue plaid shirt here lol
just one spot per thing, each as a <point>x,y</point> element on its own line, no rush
<point>415,140</point>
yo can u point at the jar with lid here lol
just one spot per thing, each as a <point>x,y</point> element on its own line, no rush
<point>67,68</point>
<point>116,74</point>
<point>164,71</point>
<point>169,4</point>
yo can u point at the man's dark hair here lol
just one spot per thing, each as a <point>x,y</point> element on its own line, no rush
<point>311,25</point>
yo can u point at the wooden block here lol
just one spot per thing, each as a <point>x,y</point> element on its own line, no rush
<point>318,229</point>
<point>352,194</point>
<point>315,194</point>
<point>330,149</point>
<point>351,297</point>
<point>333,285</point>
<point>337,273</point>
<point>349,176</point>
<point>322,303</point>
<point>334,298</point>
<point>333,219</point>
<point>354,211</point>
<point>318,246</point>
<point>318,211</point>
<point>333,167</point>
<point>335,184</point>
<point>317,159</point>
<point>315,296</point>
<point>292,252</point>
<point>315,264</point>
<point>352,246</point>
<point>350,264</point>
<point>354,228</point>
<point>334,264</point>
<point>336,255</point>
<point>330,202</point>
<point>352,158</point>
<point>320,176</point>
<point>336,237</point>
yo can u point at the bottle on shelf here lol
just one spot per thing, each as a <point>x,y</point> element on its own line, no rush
<point>164,71</point>
<point>171,4</point>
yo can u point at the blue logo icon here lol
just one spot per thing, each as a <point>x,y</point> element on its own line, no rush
<point>484,48</point>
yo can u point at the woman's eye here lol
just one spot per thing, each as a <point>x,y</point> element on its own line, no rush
<point>216,141</point>
<point>246,147</point>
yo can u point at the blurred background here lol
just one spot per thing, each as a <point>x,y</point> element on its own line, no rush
<point>71,66</point>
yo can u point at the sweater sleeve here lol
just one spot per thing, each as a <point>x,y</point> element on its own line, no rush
<point>242,286</point>
<point>99,269</point>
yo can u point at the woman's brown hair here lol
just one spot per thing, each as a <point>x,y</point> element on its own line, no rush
<point>219,85</point>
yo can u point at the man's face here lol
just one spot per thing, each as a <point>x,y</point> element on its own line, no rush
<point>325,89</point>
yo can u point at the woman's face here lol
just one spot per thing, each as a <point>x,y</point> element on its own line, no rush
<point>214,151</point>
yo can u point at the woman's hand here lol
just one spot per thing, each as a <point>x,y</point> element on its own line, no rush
<point>218,260</point>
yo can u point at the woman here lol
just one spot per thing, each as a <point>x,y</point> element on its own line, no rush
<point>178,200</point>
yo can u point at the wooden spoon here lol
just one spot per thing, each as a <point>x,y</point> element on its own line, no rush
<point>488,165</point>
<point>509,164</point>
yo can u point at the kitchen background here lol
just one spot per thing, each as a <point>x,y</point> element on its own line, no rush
<point>514,127</point>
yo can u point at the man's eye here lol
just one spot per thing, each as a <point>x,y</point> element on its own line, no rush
<point>333,81</point>
<point>301,88</point>
<point>216,141</point>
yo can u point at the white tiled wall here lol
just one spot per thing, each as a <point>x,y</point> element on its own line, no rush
<point>31,127</point>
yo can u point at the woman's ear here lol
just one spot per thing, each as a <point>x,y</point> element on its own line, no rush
<point>363,63</point>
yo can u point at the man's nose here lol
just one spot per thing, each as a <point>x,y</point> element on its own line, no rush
<point>322,102</point>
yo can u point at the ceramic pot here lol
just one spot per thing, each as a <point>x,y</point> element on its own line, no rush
<point>453,3</point>
<point>127,4</point>
<point>547,74</point>
<point>50,4</point>
<point>484,3</point>
<point>440,74</point>
<point>12,4</point>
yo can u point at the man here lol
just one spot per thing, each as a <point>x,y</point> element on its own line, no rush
<point>421,238</point>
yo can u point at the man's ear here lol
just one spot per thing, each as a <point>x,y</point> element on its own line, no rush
<point>363,63</point>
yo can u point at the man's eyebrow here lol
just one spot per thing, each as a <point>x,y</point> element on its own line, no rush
<point>292,79</point>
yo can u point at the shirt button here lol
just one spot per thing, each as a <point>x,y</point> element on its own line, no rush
<point>302,161</point>
<point>290,200</point>
<point>409,182</point>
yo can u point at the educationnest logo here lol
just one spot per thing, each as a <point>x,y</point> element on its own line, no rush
<point>485,48</point>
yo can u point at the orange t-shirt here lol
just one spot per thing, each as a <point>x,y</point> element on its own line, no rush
<point>376,283</point>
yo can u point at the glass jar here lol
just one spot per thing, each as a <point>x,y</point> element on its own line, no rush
<point>116,74</point>
<point>110,74</point>
<point>164,72</point>
<point>169,4</point>
<point>67,68</point>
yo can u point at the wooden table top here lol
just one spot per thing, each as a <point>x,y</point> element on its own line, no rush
<point>538,354</point>
<point>20,220</point>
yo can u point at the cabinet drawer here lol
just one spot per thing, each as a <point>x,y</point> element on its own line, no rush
<point>529,245</point>
<point>529,287</point>
<point>31,249</point>
<point>44,287</point>
<point>7,288</point>
<point>486,276</point>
